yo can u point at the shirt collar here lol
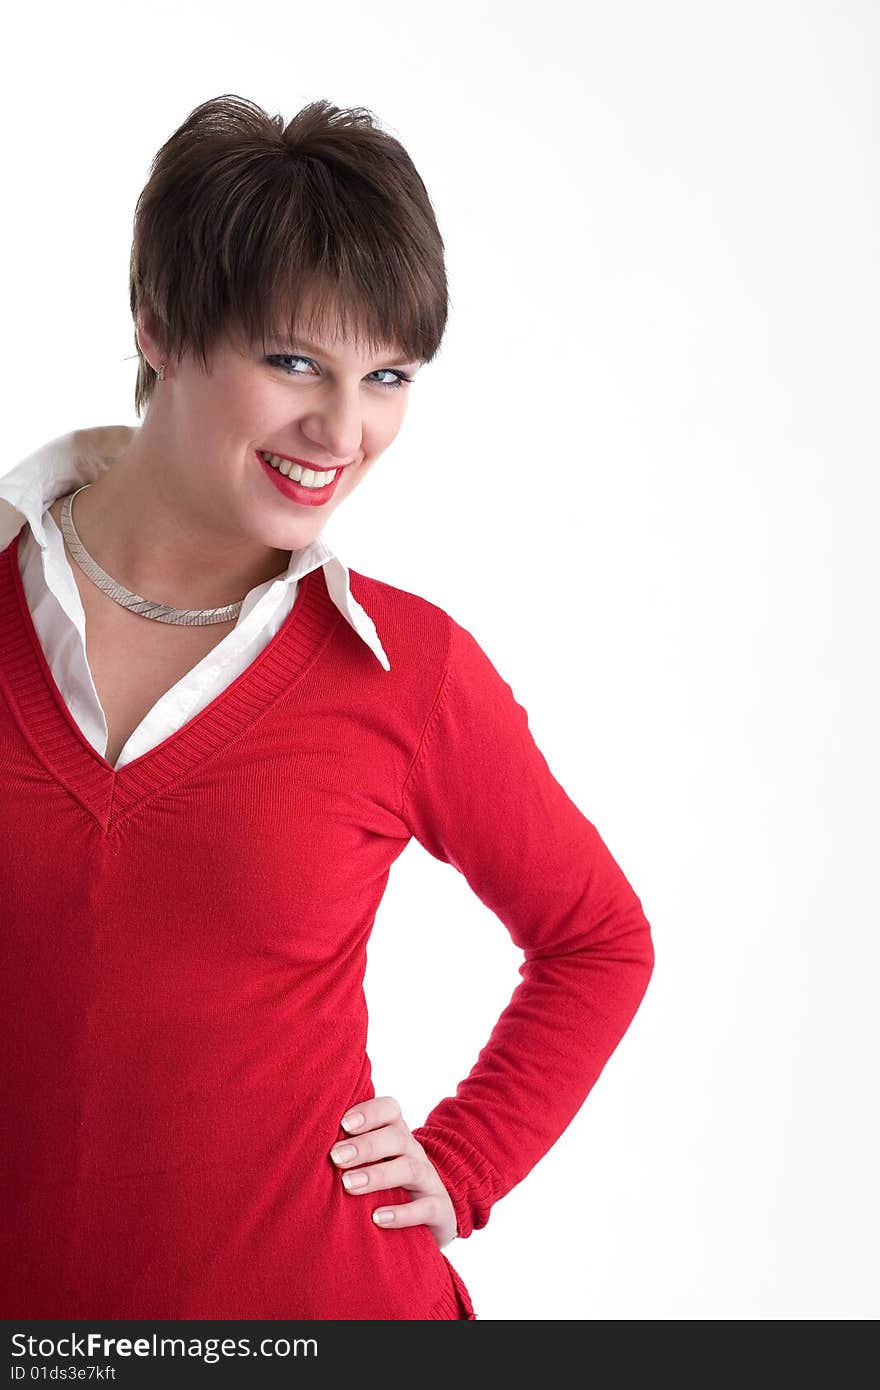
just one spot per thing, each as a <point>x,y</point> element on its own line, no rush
<point>81,456</point>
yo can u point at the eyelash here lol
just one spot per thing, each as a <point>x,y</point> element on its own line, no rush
<point>402,378</point>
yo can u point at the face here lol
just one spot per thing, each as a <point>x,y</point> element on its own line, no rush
<point>256,421</point>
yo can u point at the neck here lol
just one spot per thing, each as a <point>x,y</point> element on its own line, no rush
<point>157,528</point>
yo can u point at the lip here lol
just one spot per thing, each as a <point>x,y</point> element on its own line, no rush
<point>304,463</point>
<point>305,496</point>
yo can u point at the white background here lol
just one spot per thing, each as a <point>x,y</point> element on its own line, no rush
<point>643,472</point>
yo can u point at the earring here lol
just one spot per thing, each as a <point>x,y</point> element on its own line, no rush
<point>161,372</point>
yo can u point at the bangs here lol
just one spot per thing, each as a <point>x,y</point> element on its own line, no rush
<point>325,311</point>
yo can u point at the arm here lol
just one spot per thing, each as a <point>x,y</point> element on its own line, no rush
<point>480,796</point>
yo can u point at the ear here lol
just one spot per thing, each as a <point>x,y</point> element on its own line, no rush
<point>145,327</point>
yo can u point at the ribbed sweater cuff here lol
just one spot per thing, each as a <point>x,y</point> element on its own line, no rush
<point>467,1176</point>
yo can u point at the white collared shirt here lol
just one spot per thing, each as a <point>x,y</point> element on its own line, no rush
<point>57,468</point>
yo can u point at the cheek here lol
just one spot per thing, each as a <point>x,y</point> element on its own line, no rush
<point>219,415</point>
<point>387,429</point>
<point>354,476</point>
<point>239,406</point>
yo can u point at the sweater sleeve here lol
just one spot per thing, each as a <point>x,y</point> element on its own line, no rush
<point>480,796</point>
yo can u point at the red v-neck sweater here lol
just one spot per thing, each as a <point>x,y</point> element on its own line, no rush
<point>184,946</point>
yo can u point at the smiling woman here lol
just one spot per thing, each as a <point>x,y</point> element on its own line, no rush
<point>187,671</point>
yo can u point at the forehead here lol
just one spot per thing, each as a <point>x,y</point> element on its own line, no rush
<point>340,352</point>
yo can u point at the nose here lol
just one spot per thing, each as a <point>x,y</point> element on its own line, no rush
<point>336,424</point>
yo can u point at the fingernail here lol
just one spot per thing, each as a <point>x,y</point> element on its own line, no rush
<point>353,1121</point>
<point>383,1217</point>
<point>343,1153</point>
<point>354,1179</point>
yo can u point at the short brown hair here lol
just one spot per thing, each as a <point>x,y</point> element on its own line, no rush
<point>242,216</point>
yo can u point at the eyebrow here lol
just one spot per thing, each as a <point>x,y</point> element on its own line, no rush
<point>322,352</point>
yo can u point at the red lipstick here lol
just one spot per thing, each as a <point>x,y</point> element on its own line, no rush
<point>306,496</point>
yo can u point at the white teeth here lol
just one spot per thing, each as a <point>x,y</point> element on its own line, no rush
<point>308,477</point>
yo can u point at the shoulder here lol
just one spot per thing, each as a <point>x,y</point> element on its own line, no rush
<point>420,636</point>
<point>11,522</point>
<point>411,627</point>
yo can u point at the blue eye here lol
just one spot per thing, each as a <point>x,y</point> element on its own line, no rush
<point>400,378</point>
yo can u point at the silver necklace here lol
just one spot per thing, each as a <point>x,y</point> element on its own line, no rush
<point>135,603</point>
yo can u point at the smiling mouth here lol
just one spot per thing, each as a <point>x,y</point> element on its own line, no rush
<point>297,473</point>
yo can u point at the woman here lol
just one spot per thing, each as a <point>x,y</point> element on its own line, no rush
<point>215,740</point>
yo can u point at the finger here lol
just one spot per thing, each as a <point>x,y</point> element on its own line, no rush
<point>370,1114</point>
<point>387,1142</point>
<point>421,1211</point>
<point>404,1171</point>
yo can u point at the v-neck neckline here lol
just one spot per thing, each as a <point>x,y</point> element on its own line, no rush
<point>111,794</point>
